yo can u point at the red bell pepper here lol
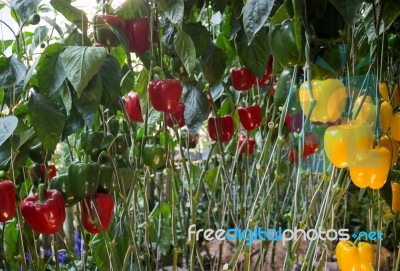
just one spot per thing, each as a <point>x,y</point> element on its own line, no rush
<point>179,116</point>
<point>104,208</point>
<point>103,34</point>
<point>227,128</point>
<point>250,117</point>
<point>137,31</point>
<point>264,80</point>
<point>165,94</point>
<point>310,144</point>
<point>7,200</point>
<point>246,146</point>
<point>295,122</point>
<point>132,107</point>
<point>51,171</point>
<point>242,79</point>
<point>44,212</point>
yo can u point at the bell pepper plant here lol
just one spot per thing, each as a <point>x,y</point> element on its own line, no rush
<point>106,27</point>
<point>283,87</point>
<point>395,126</point>
<point>357,256</point>
<point>165,94</point>
<point>395,197</point>
<point>246,146</point>
<point>154,156</point>
<point>250,116</point>
<point>62,184</point>
<point>39,173</point>
<point>264,80</point>
<point>106,178</point>
<point>83,178</point>
<point>137,30</point>
<point>91,142</point>
<point>242,79</point>
<point>178,115</point>
<point>392,146</point>
<point>367,112</point>
<point>227,128</point>
<point>8,205</point>
<point>132,107</point>
<point>383,91</point>
<point>385,116</point>
<point>44,211</point>
<point>310,144</point>
<point>348,143</point>
<point>282,42</point>
<point>294,122</point>
<point>99,217</point>
<point>330,97</point>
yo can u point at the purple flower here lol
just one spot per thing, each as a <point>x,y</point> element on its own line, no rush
<point>78,243</point>
<point>27,257</point>
<point>62,256</point>
<point>47,253</point>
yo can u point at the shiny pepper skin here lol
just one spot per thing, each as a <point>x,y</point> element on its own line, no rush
<point>348,143</point>
<point>386,114</point>
<point>132,107</point>
<point>373,171</point>
<point>242,79</point>
<point>330,97</point>
<point>227,128</point>
<point>395,197</point>
<point>352,258</point>
<point>392,146</point>
<point>250,117</point>
<point>246,146</point>
<point>44,217</point>
<point>179,115</point>
<point>137,31</point>
<point>104,35</point>
<point>104,207</point>
<point>7,201</point>
<point>367,112</point>
<point>395,127</point>
<point>165,94</point>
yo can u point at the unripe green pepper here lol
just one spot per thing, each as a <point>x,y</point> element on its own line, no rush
<point>105,179</point>
<point>62,184</point>
<point>154,156</point>
<point>83,178</point>
<point>91,142</point>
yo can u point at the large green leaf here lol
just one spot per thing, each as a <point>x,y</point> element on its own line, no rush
<point>199,35</point>
<point>255,14</point>
<point>71,13</point>
<point>7,127</point>
<point>81,64</point>
<point>24,8</point>
<point>89,102</point>
<point>110,74</point>
<point>50,70</point>
<point>186,51</point>
<point>11,242</point>
<point>173,10</point>
<point>5,154</point>
<point>39,36</point>
<point>130,8</point>
<point>12,71</point>
<point>46,119</point>
<point>213,64</point>
<point>391,11</point>
<point>196,107</point>
<point>255,55</point>
<point>348,8</point>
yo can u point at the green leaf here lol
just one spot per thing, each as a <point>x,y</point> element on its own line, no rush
<point>196,107</point>
<point>75,38</point>
<point>185,50</point>
<point>89,101</point>
<point>119,54</point>
<point>280,15</point>
<point>110,74</point>
<point>1,96</point>
<point>213,64</point>
<point>255,14</point>
<point>227,106</point>
<point>11,242</point>
<point>7,127</point>
<point>129,9</point>
<point>391,11</point>
<point>53,23</point>
<point>46,119</point>
<point>128,79</point>
<point>199,35</point>
<point>24,8</point>
<point>71,13</point>
<point>73,123</point>
<point>255,55</point>
<point>5,154</point>
<point>38,37</point>
<point>30,74</point>
<point>173,10</point>
<point>141,83</point>
<point>50,71</point>
<point>348,8</point>
<point>81,64</point>
<point>12,71</point>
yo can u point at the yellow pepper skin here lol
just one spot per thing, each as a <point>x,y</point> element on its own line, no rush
<point>373,171</point>
<point>386,114</point>
<point>392,145</point>
<point>395,127</point>
<point>367,112</point>
<point>395,197</point>
<point>383,90</point>
<point>348,143</point>
<point>355,258</point>
<point>396,96</point>
<point>330,97</point>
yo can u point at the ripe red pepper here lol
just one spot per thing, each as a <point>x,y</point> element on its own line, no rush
<point>246,147</point>
<point>7,201</point>
<point>310,144</point>
<point>292,155</point>
<point>264,80</point>
<point>37,173</point>
<point>227,128</point>
<point>132,107</point>
<point>51,171</point>
<point>250,117</point>
<point>242,79</point>
<point>295,122</point>
<point>104,207</point>
<point>46,215</point>
<point>103,34</point>
<point>138,32</point>
<point>179,116</point>
<point>165,94</point>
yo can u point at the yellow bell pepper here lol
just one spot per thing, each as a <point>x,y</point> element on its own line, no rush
<point>395,197</point>
<point>367,112</point>
<point>395,127</point>
<point>386,114</point>
<point>355,257</point>
<point>392,145</point>
<point>383,90</point>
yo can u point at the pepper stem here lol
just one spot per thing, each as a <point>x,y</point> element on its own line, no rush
<point>101,156</point>
<point>42,193</point>
<point>357,241</point>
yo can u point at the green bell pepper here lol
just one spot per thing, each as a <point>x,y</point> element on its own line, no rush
<point>154,156</point>
<point>62,184</point>
<point>282,41</point>
<point>91,142</point>
<point>282,92</point>
<point>105,179</point>
<point>83,178</point>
